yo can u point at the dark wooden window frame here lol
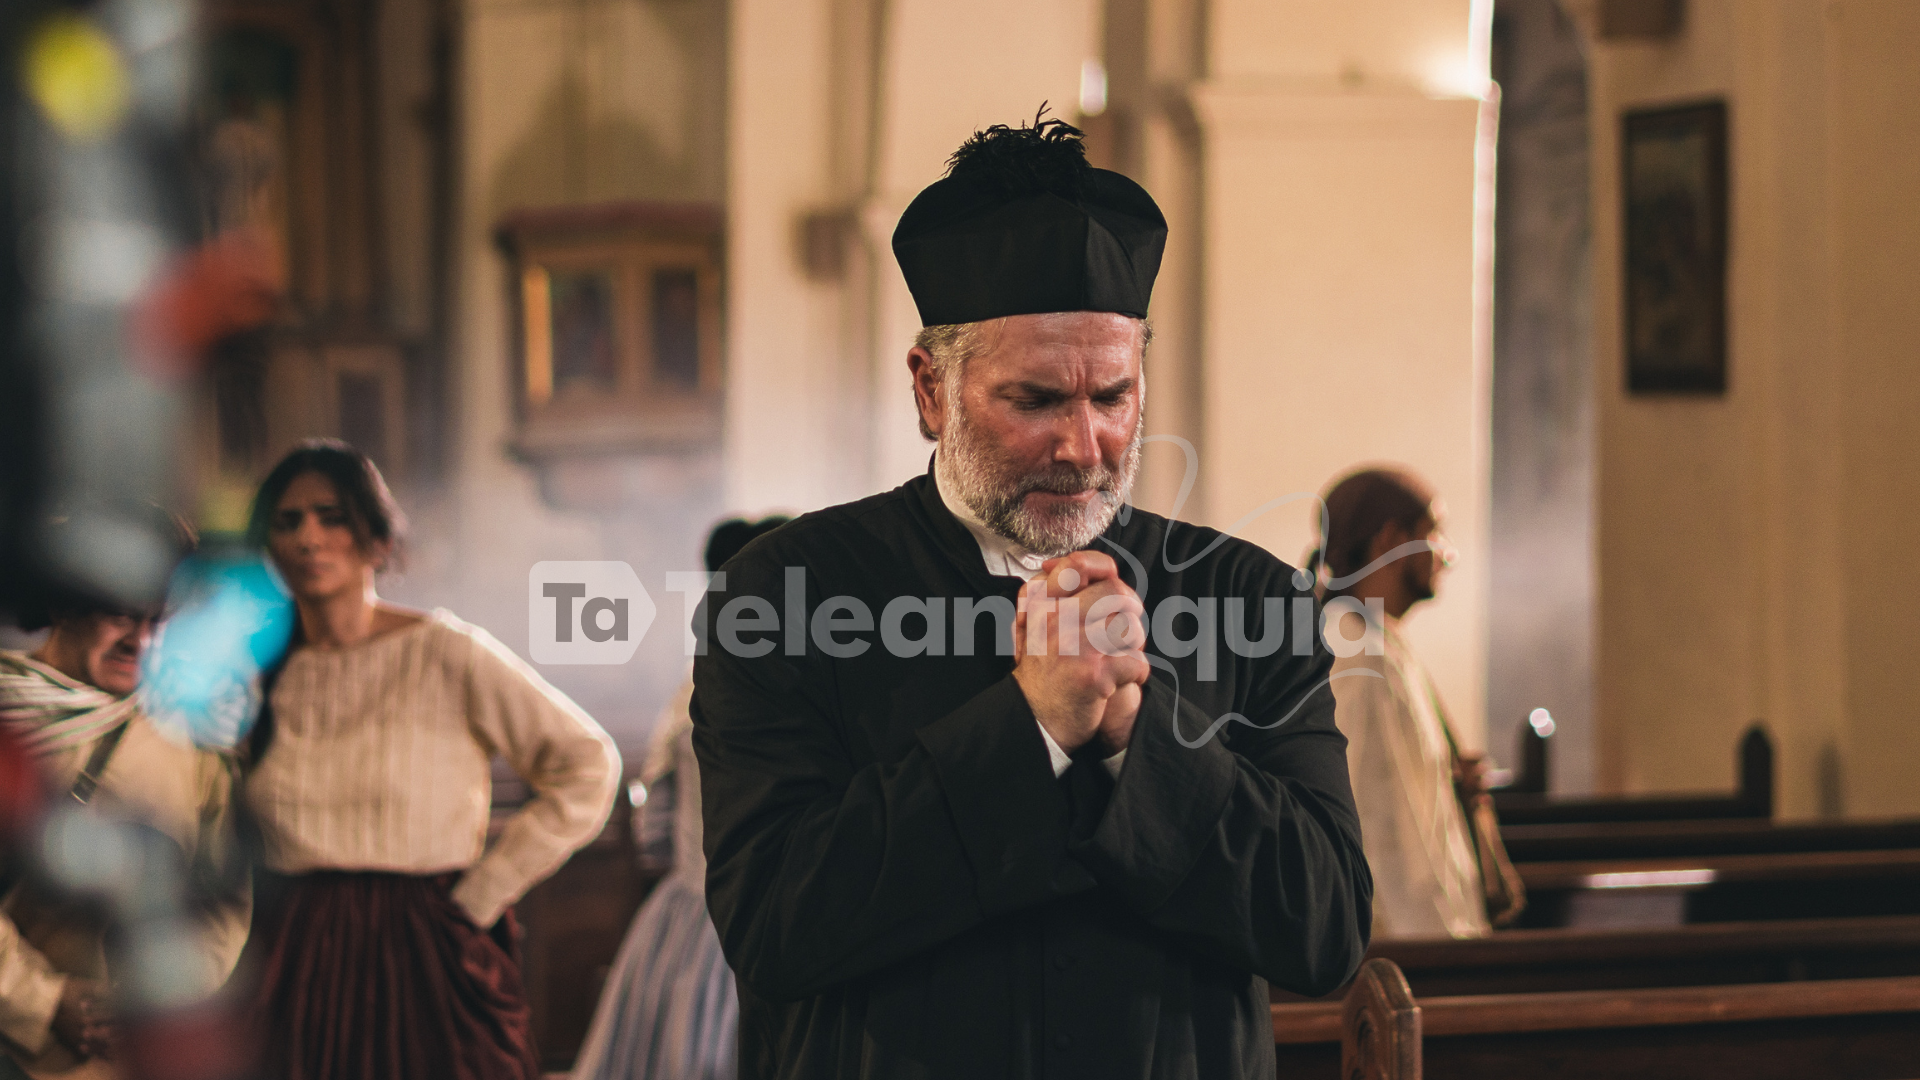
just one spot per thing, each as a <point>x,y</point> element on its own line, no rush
<point>630,240</point>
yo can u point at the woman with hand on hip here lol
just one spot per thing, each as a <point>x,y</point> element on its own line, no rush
<point>383,946</point>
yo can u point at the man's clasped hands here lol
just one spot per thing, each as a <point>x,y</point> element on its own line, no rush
<point>1079,638</point>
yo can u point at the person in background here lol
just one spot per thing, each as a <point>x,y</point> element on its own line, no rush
<point>669,1010</point>
<point>71,704</point>
<point>384,944</point>
<point>1383,548</point>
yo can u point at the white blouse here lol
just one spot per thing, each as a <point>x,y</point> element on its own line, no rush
<point>381,754</point>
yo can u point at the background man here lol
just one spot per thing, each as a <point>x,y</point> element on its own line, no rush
<point>71,704</point>
<point>1017,845</point>
<point>1383,545</point>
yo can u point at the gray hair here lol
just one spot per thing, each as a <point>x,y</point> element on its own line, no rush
<point>950,345</point>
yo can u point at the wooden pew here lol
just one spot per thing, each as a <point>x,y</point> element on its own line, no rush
<point>1527,803</point>
<point>1757,869</point>
<point>1851,1029</point>
<point>1572,841</point>
<point>1854,1029</point>
<point>1379,1026</point>
<point>1713,954</point>
<point>1371,1033</point>
<point>1722,888</point>
<point>573,924</point>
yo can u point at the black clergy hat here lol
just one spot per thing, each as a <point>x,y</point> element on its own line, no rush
<point>1022,224</point>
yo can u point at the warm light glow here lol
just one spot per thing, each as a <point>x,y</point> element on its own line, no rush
<point>1480,44</point>
<point>1093,88</point>
<point>75,75</point>
<point>536,306</point>
<point>1649,879</point>
<point>1468,73</point>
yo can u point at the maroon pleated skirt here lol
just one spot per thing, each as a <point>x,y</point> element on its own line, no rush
<point>371,976</point>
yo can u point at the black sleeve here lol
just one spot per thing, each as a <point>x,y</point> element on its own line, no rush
<point>1245,844</point>
<point>821,869</point>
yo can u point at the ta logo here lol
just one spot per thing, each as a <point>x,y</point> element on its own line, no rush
<point>585,612</point>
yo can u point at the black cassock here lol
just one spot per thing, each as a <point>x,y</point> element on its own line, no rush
<point>905,889</point>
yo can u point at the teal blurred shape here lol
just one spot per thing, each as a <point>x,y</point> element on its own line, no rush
<point>230,620</point>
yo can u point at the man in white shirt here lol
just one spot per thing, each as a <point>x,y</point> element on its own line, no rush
<point>71,704</point>
<point>1382,549</point>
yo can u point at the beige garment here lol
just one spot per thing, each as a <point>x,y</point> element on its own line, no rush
<point>1426,881</point>
<point>185,793</point>
<point>670,750</point>
<point>381,760</point>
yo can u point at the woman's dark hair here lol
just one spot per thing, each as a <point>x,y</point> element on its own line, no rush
<point>728,537</point>
<point>1358,507</point>
<point>372,514</point>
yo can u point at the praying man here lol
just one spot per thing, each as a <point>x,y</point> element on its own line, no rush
<point>1001,777</point>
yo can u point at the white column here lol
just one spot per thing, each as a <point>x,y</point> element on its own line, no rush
<point>1343,304</point>
<point>784,381</point>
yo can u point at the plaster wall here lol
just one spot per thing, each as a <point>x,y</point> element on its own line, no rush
<point>1157,141</point>
<point>1747,541</point>
<point>1873,177</point>
<point>560,104</point>
<point>1420,44</point>
<point>796,387</point>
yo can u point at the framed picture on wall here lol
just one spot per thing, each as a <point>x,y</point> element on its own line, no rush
<point>1674,185</point>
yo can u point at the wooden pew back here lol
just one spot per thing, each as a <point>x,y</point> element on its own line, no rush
<point>1573,841</point>
<point>1853,1029</point>
<point>1379,1026</point>
<point>1723,888</point>
<point>1709,954</point>
<point>1856,1029</point>
<point>1527,803</point>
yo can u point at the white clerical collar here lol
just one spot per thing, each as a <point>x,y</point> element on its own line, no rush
<point>1003,557</point>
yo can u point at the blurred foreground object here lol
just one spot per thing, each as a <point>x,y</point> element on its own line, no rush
<point>94,869</point>
<point>126,901</point>
<point>110,302</point>
<point>105,303</point>
<point>19,792</point>
<point>230,622</point>
<point>76,77</point>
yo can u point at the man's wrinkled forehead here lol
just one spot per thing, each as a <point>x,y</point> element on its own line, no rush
<point>1086,351</point>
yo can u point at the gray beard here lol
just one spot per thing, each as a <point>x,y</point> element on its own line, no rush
<point>996,493</point>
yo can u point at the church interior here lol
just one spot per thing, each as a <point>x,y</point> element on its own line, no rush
<point>1620,278</point>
